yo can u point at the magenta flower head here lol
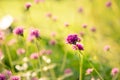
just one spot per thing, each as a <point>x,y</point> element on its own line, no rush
<point>28,5</point>
<point>35,33</point>
<point>18,31</point>
<point>15,78</point>
<point>72,39</point>
<point>108,4</point>
<point>89,71</point>
<point>79,46</point>
<point>2,77</point>
<point>34,56</point>
<point>114,71</point>
<point>20,51</point>
<point>107,48</point>
<point>67,71</point>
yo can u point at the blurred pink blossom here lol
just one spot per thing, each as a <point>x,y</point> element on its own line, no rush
<point>114,71</point>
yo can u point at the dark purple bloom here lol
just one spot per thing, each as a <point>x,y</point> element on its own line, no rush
<point>18,31</point>
<point>79,46</point>
<point>72,39</point>
<point>2,77</point>
<point>35,33</point>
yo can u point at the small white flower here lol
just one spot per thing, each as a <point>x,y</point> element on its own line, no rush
<point>5,22</point>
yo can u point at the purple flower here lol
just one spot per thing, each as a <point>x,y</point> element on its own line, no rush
<point>72,39</point>
<point>114,71</point>
<point>52,42</point>
<point>35,33</point>
<point>2,77</point>
<point>79,46</point>
<point>108,4</point>
<point>27,5</point>
<point>18,31</point>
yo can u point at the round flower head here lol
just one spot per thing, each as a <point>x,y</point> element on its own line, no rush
<point>84,25</point>
<point>18,31</point>
<point>34,56</point>
<point>82,34</point>
<point>108,4</point>
<point>49,15</point>
<point>93,29</point>
<point>15,78</point>
<point>27,5</point>
<point>2,77</point>
<point>72,39</point>
<point>89,71</point>
<point>52,42</point>
<point>66,24</point>
<point>79,46</point>
<point>107,48</point>
<point>20,51</point>
<point>35,33</point>
<point>80,10</point>
<point>114,71</point>
<point>67,71</point>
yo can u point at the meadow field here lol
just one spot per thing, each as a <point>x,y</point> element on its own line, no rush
<point>59,39</point>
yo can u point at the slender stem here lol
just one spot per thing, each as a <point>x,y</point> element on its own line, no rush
<point>9,58</point>
<point>81,66</point>
<point>52,74</point>
<point>64,61</point>
<point>94,68</point>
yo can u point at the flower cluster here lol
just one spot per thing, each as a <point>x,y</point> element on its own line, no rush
<point>74,39</point>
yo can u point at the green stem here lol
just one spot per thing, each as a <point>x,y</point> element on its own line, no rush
<point>64,61</point>
<point>9,58</point>
<point>94,68</point>
<point>52,74</point>
<point>81,66</point>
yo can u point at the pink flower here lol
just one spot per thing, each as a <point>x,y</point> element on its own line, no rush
<point>114,71</point>
<point>89,71</point>
<point>2,36</point>
<point>82,34</point>
<point>34,56</point>
<point>2,77</point>
<point>35,33</point>
<point>15,78</point>
<point>108,4</point>
<point>48,51</point>
<point>54,18</point>
<point>28,5</point>
<point>80,10</point>
<point>52,42</point>
<point>20,51</point>
<point>66,24</point>
<point>49,15</point>
<point>37,1</point>
<point>18,31</point>
<point>67,71</point>
<point>84,25</point>
<point>106,48</point>
<point>93,29</point>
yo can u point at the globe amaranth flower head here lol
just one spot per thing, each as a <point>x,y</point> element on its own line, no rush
<point>114,71</point>
<point>73,38</point>
<point>18,31</point>
<point>35,33</point>
<point>78,46</point>
<point>2,77</point>
<point>28,5</point>
<point>15,78</point>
